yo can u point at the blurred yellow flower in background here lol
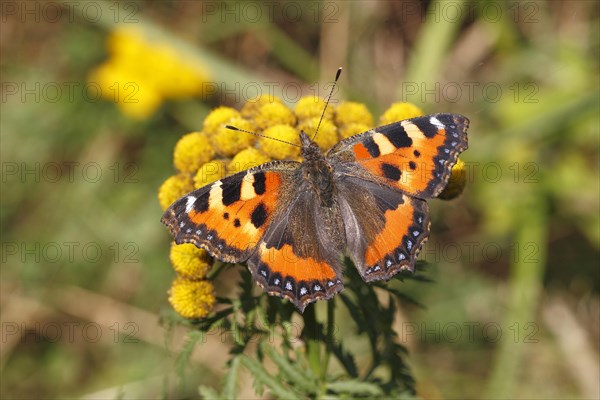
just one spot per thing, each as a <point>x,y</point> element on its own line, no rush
<point>141,73</point>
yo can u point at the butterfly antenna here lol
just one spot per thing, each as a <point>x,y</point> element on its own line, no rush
<point>234,128</point>
<point>337,76</point>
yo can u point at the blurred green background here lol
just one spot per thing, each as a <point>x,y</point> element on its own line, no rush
<point>514,311</point>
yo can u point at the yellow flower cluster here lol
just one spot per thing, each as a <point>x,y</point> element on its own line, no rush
<point>216,152</point>
<point>141,73</point>
<point>191,294</point>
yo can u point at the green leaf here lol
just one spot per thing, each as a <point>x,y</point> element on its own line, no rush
<point>262,376</point>
<point>355,387</point>
<point>186,351</point>
<point>293,372</point>
<point>229,387</point>
<point>209,393</point>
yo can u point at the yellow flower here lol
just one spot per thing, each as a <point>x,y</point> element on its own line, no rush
<point>247,158</point>
<point>279,150</point>
<point>218,118</point>
<point>398,112</point>
<point>457,182</point>
<point>312,107</point>
<point>272,114</point>
<point>353,129</point>
<point>228,142</point>
<point>327,136</point>
<point>142,72</point>
<point>210,172</point>
<point>252,106</point>
<point>191,151</point>
<point>173,188</point>
<point>192,299</point>
<point>349,112</point>
<point>189,261</point>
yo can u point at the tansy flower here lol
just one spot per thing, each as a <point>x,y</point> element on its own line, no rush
<point>219,117</point>
<point>191,151</point>
<point>457,182</point>
<point>210,172</point>
<point>398,112</point>
<point>189,261</point>
<point>141,73</point>
<point>312,107</point>
<point>327,136</point>
<point>353,128</point>
<point>349,112</point>
<point>247,158</point>
<point>192,299</point>
<point>228,142</point>
<point>270,114</point>
<point>252,106</point>
<point>278,150</point>
<point>173,188</point>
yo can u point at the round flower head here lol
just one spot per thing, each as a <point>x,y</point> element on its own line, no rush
<point>398,112</point>
<point>312,107</point>
<point>218,118</point>
<point>273,114</point>
<point>457,182</point>
<point>210,172</point>
<point>349,112</point>
<point>191,151</point>
<point>173,188</point>
<point>247,158</point>
<point>252,106</point>
<point>352,129</point>
<point>327,136</point>
<point>192,299</point>
<point>228,142</point>
<point>189,261</point>
<point>278,150</point>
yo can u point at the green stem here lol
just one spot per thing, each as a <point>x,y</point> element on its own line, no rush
<point>330,338</point>
<point>309,335</point>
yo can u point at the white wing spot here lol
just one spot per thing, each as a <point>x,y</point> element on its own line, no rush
<point>438,124</point>
<point>181,224</point>
<point>263,273</point>
<point>303,291</point>
<point>190,203</point>
<point>377,268</point>
<point>276,281</point>
<point>188,230</point>
<point>409,244</point>
<point>288,285</point>
<point>198,232</point>
<point>415,233</point>
<point>401,256</point>
<point>317,287</point>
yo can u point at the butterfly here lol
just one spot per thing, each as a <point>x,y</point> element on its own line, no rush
<point>295,222</point>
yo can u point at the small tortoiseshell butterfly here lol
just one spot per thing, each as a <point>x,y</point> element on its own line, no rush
<point>293,222</point>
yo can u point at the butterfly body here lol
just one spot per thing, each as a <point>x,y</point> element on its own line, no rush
<point>295,222</point>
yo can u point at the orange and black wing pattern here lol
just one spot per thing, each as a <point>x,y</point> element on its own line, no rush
<point>229,217</point>
<point>414,155</point>
<point>300,256</point>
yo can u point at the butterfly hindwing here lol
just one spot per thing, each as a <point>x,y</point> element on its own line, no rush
<point>385,229</point>
<point>300,256</point>
<point>229,217</point>
<point>414,155</point>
